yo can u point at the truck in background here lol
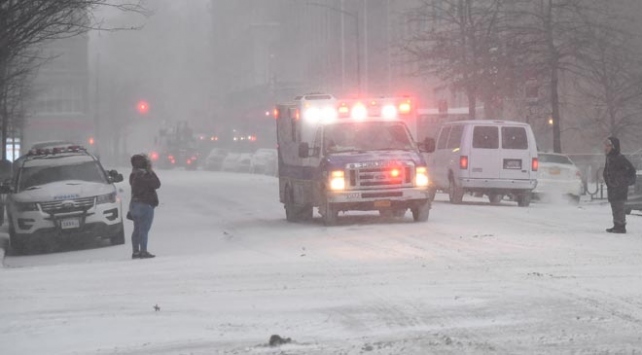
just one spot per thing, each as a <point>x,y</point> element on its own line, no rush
<point>342,155</point>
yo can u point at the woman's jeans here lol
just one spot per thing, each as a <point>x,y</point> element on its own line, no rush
<point>143,215</point>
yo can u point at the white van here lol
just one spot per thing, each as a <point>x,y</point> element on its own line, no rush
<point>493,158</point>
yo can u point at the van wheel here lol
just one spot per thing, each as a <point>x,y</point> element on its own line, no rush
<point>455,193</point>
<point>524,199</point>
<point>330,215</point>
<point>421,212</point>
<point>495,198</point>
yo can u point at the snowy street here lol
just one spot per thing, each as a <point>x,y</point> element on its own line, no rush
<point>230,272</point>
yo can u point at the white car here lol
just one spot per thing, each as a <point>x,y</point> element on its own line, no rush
<point>215,158</point>
<point>63,194</point>
<point>558,177</point>
<point>264,161</point>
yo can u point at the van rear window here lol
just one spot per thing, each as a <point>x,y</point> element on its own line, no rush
<point>514,138</point>
<point>486,137</point>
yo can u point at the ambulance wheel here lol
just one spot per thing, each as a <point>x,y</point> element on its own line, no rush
<point>290,212</point>
<point>421,212</point>
<point>432,191</point>
<point>330,215</point>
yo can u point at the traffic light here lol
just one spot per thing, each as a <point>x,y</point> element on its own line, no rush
<point>142,107</point>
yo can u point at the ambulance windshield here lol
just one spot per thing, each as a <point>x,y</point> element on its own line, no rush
<point>366,136</point>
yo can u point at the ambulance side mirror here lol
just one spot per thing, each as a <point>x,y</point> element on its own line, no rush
<point>304,150</point>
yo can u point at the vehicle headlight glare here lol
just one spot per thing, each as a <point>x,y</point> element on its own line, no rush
<point>421,177</point>
<point>337,181</point>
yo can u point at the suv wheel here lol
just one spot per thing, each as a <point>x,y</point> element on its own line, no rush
<point>18,245</point>
<point>119,237</point>
<point>421,212</point>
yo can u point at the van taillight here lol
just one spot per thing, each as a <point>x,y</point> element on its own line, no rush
<point>463,162</point>
<point>535,164</point>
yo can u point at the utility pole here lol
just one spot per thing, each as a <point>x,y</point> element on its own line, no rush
<point>365,44</point>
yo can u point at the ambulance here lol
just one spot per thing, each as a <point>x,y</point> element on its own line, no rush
<point>350,155</point>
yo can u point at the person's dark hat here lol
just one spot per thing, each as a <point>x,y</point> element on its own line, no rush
<point>139,161</point>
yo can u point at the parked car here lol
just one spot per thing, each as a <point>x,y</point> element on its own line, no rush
<point>484,157</point>
<point>264,161</point>
<point>558,177</point>
<point>237,162</point>
<point>215,158</point>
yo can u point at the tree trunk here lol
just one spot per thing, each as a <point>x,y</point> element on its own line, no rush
<point>553,63</point>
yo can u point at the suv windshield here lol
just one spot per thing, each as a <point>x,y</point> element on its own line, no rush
<point>367,136</point>
<point>31,176</point>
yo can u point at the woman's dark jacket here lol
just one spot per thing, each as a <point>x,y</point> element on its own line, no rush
<point>618,173</point>
<point>144,184</point>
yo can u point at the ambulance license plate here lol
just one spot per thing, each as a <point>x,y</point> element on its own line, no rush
<point>70,223</point>
<point>382,203</point>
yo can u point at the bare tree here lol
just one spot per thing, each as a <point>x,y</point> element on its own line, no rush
<point>610,75</point>
<point>24,24</point>
<point>460,42</point>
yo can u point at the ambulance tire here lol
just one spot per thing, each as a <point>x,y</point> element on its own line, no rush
<point>421,212</point>
<point>432,192</point>
<point>290,210</point>
<point>330,215</point>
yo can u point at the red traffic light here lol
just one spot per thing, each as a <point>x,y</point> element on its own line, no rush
<point>142,107</point>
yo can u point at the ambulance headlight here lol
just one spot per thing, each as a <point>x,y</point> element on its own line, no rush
<point>328,114</point>
<point>312,114</point>
<point>421,177</point>
<point>337,180</point>
<point>389,112</point>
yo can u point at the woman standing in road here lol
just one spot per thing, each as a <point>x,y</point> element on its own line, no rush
<point>144,183</point>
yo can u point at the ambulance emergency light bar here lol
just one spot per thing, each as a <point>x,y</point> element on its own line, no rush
<point>357,110</point>
<point>390,109</point>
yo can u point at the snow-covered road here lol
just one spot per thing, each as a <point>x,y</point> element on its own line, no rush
<point>231,272</point>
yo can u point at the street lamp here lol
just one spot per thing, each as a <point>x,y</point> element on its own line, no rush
<point>355,17</point>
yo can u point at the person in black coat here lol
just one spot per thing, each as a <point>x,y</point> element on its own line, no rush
<point>618,174</point>
<point>144,199</point>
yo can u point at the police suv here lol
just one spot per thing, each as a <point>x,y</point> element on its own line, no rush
<point>61,194</point>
